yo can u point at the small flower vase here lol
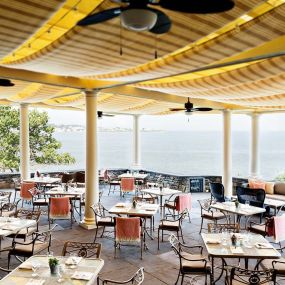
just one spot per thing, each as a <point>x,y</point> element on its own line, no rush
<point>237,204</point>
<point>134,204</point>
<point>53,269</point>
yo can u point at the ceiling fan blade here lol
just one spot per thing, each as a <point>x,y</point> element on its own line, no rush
<point>100,17</point>
<point>176,109</point>
<point>163,23</point>
<point>6,82</point>
<point>108,115</point>
<point>202,109</point>
<point>198,7</point>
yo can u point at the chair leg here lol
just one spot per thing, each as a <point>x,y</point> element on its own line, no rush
<point>102,232</point>
<point>177,277</point>
<point>158,240</point>
<point>202,220</point>
<point>182,235</point>
<point>182,279</point>
<point>96,234</point>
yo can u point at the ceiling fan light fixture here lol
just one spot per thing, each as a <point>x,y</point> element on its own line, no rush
<point>188,113</point>
<point>138,19</point>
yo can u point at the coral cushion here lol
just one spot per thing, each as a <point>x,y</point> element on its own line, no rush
<point>269,187</point>
<point>255,184</point>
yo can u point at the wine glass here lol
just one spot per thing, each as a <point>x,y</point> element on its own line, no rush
<point>61,272</point>
<point>35,267</point>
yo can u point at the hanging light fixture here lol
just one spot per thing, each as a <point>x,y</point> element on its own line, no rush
<point>138,19</point>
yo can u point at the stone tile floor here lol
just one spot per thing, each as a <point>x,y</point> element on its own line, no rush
<point>161,267</point>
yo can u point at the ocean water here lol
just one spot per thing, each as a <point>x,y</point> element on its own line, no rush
<point>185,153</point>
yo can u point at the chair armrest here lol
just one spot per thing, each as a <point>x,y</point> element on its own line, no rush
<point>105,281</point>
<point>192,247</point>
<point>277,261</point>
<point>195,259</point>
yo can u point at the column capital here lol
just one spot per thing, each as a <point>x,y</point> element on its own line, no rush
<point>90,92</point>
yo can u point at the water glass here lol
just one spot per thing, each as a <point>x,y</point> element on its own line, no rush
<point>246,203</point>
<point>61,273</point>
<point>35,267</point>
<point>224,237</point>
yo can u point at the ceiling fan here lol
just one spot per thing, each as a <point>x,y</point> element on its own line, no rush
<point>6,82</point>
<point>188,107</point>
<point>137,16</point>
<point>100,115</point>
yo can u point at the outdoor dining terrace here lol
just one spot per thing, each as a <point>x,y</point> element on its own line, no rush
<point>159,260</point>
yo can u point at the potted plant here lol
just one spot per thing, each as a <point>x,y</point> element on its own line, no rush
<point>53,265</point>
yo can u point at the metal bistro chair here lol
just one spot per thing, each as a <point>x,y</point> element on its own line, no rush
<point>240,276</point>
<point>38,198</point>
<point>40,241</point>
<point>82,249</point>
<point>24,191</point>
<point>136,279</point>
<point>190,263</point>
<point>209,214</point>
<point>9,209</point>
<point>174,225</point>
<point>217,191</point>
<point>128,185</point>
<point>102,219</point>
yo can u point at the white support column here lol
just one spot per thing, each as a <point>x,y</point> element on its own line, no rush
<point>24,142</point>
<point>227,167</point>
<point>136,142</point>
<point>254,150</point>
<point>91,171</point>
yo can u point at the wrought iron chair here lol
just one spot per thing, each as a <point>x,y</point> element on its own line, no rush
<point>82,249</point>
<point>278,265</point>
<point>129,231</point>
<point>38,198</point>
<point>239,276</point>
<point>24,191</point>
<point>6,196</point>
<point>60,208</point>
<point>4,269</point>
<point>208,214</point>
<point>217,191</point>
<point>128,185</point>
<point>102,219</point>
<point>9,209</point>
<point>29,215</point>
<point>178,204</point>
<point>174,225</point>
<point>136,279</point>
<point>190,263</point>
<point>40,241</point>
<point>114,182</point>
<point>218,228</point>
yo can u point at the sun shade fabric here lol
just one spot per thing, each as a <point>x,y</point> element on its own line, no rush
<point>128,229</point>
<point>184,201</point>
<point>128,184</point>
<point>59,207</point>
<point>24,191</point>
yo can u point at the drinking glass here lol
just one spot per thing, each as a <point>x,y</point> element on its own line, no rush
<point>224,237</point>
<point>35,267</point>
<point>61,272</point>
<point>247,203</point>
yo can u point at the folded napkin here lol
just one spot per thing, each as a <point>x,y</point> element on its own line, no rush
<point>26,265</point>
<point>80,275</point>
<point>263,245</point>
<point>10,227</point>
<point>236,250</point>
<point>35,282</point>
<point>213,241</point>
<point>73,260</point>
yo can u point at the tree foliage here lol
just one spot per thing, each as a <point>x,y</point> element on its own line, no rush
<point>43,146</point>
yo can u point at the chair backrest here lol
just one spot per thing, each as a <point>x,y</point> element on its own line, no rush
<point>254,196</point>
<point>7,194</point>
<point>250,277</point>
<point>24,191</point>
<point>82,249</point>
<point>8,209</point>
<point>28,214</point>
<point>59,208</point>
<point>217,191</point>
<point>146,199</point>
<point>183,201</point>
<point>99,211</point>
<point>205,204</point>
<point>138,277</point>
<point>173,240</point>
<point>127,229</point>
<point>218,228</point>
<point>128,184</point>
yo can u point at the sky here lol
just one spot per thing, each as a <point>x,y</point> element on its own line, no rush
<point>177,122</point>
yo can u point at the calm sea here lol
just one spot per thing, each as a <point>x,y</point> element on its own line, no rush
<point>189,153</point>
